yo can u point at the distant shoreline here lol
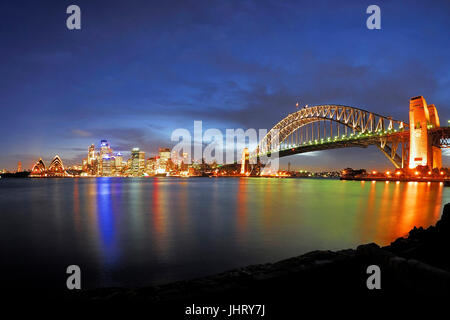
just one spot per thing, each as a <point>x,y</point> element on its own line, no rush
<point>403,179</point>
<point>90,177</point>
<point>369,179</point>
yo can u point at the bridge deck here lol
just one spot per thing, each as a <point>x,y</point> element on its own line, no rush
<point>440,137</point>
<point>358,140</point>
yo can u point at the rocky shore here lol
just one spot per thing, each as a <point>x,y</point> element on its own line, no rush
<point>418,264</point>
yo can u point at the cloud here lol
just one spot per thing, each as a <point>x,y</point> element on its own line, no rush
<point>81,133</point>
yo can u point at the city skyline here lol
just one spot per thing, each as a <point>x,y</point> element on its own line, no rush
<point>104,161</point>
<point>136,74</point>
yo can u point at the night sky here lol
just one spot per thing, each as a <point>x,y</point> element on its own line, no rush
<point>137,70</point>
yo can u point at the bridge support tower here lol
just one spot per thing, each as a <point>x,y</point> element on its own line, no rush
<point>422,118</point>
<point>245,161</point>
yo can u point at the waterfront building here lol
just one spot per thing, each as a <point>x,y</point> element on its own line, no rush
<point>56,167</point>
<point>39,169</point>
<point>84,165</point>
<point>91,155</point>
<point>137,162</point>
<point>152,165</point>
<point>164,158</point>
<point>141,162</point>
<point>107,166</point>
<point>105,151</point>
<point>118,159</point>
<point>118,163</point>
<point>105,148</point>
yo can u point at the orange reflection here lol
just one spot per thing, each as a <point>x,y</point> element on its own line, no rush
<point>242,204</point>
<point>159,217</point>
<point>91,207</point>
<point>76,205</point>
<point>394,209</point>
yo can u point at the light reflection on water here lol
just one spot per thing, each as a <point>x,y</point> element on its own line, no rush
<point>131,232</point>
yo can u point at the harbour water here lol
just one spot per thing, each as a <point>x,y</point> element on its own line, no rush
<point>145,231</point>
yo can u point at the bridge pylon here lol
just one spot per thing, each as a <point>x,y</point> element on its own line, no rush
<point>245,161</point>
<point>423,118</point>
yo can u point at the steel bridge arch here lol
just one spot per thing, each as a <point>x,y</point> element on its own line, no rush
<point>358,120</point>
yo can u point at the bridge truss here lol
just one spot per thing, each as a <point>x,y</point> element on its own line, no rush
<point>335,126</point>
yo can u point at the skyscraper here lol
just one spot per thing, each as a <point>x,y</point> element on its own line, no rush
<point>151,165</point>
<point>118,159</point>
<point>135,162</point>
<point>141,162</point>
<point>91,165</point>
<point>107,167</point>
<point>91,155</point>
<point>105,152</point>
<point>164,157</point>
<point>105,148</point>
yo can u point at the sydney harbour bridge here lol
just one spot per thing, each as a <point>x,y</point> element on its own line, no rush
<point>323,127</point>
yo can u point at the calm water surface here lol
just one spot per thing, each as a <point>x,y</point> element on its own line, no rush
<point>134,232</point>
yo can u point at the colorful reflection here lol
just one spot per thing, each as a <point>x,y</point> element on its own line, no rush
<point>106,225</point>
<point>158,214</point>
<point>135,232</point>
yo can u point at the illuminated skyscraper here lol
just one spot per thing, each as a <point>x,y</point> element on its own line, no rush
<point>118,159</point>
<point>135,162</point>
<point>19,166</point>
<point>91,165</point>
<point>105,149</point>
<point>105,152</point>
<point>151,165</point>
<point>107,166</point>
<point>141,162</point>
<point>91,155</point>
<point>164,157</point>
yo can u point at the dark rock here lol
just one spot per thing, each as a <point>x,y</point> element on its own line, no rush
<point>443,225</point>
<point>416,233</point>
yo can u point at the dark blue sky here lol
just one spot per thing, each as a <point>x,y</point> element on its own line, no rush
<point>140,69</point>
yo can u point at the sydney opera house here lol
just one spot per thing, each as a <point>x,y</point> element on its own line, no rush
<point>55,169</point>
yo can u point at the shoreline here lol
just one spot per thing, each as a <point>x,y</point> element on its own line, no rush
<point>404,179</point>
